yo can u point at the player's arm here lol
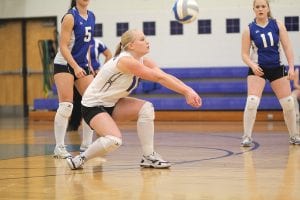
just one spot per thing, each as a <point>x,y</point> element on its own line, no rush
<point>296,79</point>
<point>89,57</point>
<point>107,54</point>
<point>151,73</point>
<point>287,47</point>
<point>245,51</point>
<point>150,63</point>
<point>66,32</point>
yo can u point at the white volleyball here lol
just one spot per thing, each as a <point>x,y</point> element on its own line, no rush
<point>185,11</point>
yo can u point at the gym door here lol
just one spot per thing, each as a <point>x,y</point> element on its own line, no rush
<point>21,67</point>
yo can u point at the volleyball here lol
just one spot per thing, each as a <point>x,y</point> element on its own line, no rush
<point>185,11</point>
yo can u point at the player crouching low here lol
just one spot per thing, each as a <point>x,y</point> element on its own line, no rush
<point>106,101</point>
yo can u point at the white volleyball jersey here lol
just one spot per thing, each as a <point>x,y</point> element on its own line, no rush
<point>109,85</point>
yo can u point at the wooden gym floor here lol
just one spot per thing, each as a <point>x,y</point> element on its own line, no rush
<point>208,164</point>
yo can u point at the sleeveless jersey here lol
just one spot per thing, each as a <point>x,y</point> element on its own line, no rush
<point>265,44</point>
<point>97,47</point>
<point>82,33</point>
<point>109,85</point>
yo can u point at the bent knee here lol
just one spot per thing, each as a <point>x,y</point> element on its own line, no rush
<point>65,109</point>
<point>110,142</point>
<point>146,112</point>
<point>287,103</point>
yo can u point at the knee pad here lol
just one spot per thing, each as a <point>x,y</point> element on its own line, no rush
<point>110,142</point>
<point>65,109</point>
<point>146,113</point>
<point>252,102</point>
<point>287,103</point>
<point>295,96</point>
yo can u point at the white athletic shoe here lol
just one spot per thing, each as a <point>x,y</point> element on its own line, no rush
<point>76,162</point>
<point>61,152</point>
<point>154,160</point>
<point>246,141</point>
<point>295,140</point>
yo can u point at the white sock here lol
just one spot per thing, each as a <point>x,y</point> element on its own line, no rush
<point>60,127</point>
<point>87,134</point>
<point>145,132</point>
<point>61,122</point>
<point>250,114</point>
<point>249,119</point>
<point>296,104</point>
<point>289,114</point>
<point>101,146</point>
<point>145,128</point>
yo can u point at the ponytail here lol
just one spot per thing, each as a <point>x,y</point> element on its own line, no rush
<point>118,49</point>
<point>73,4</point>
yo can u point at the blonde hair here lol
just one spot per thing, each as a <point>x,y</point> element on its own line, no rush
<point>268,4</point>
<point>126,38</point>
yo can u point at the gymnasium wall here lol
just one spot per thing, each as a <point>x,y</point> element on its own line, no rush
<point>188,50</point>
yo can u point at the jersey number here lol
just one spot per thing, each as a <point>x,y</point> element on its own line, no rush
<point>88,34</point>
<point>263,36</point>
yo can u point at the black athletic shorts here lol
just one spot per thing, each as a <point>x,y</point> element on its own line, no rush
<point>89,112</point>
<point>68,69</point>
<point>272,74</point>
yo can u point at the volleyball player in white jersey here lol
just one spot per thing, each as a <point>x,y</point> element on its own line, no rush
<point>106,101</point>
<point>71,68</point>
<point>264,36</point>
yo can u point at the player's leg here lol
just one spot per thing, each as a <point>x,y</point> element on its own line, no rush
<point>255,87</point>
<point>75,118</point>
<point>87,136</point>
<point>87,132</point>
<point>64,84</point>
<point>282,89</point>
<point>295,95</point>
<point>110,137</point>
<point>143,112</point>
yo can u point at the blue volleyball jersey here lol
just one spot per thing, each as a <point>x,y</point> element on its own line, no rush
<point>81,38</point>
<point>97,47</point>
<point>265,43</point>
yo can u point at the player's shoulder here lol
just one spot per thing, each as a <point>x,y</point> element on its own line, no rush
<point>252,24</point>
<point>246,30</point>
<point>69,15</point>
<point>91,13</point>
<point>278,22</point>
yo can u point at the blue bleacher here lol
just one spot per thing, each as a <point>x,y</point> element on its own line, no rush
<point>45,104</point>
<point>221,88</point>
<point>202,87</point>
<point>208,72</point>
<point>212,103</point>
